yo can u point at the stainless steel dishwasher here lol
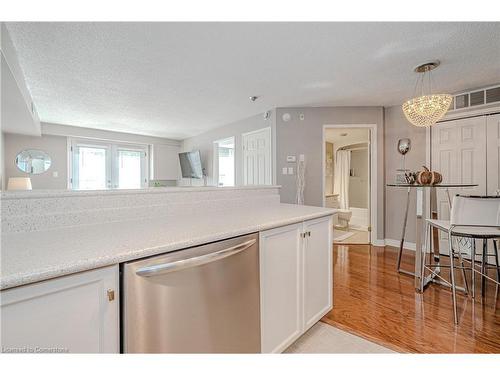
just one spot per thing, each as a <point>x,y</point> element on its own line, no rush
<point>199,300</point>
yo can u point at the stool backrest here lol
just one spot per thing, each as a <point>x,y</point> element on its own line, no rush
<point>475,211</point>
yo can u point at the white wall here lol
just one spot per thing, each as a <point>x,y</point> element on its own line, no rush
<point>204,143</point>
<point>18,112</point>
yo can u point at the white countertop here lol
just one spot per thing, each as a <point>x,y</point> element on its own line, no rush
<point>28,257</point>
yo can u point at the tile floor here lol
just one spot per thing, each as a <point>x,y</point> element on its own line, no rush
<point>323,338</point>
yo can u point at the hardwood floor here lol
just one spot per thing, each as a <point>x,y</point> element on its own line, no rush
<point>372,300</point>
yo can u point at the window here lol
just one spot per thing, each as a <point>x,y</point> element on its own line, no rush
<point>99,165</point>
<point>224,162</point>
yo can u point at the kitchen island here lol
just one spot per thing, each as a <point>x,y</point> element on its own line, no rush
<point>60,238</point>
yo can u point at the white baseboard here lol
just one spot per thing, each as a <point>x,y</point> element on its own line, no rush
<point>377,242</point>
<point>407,245</point>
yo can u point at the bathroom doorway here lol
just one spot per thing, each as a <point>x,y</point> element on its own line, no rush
<point>347,177</point>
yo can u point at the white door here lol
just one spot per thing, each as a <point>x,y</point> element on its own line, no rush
<point>317,269</point>
<point>100,165</point>
<point>493,150</point>
<point>257,157</point>
<point>459,153</point>
<point>280,287</point>
<point>74,314</point>
<point>91,166</point>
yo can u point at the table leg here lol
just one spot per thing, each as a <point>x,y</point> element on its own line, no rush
<point>418,238</point>
<point>403,232</point>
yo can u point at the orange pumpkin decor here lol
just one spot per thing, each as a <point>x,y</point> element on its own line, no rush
<point>427,177</point>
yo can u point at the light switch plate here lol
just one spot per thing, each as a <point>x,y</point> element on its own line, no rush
<point>290,170</point>
<point>55,174</point>
<point>284,171</point>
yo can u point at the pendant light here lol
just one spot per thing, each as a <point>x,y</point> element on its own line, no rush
<point>428,108</point>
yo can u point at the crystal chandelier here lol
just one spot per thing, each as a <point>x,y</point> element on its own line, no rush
<point>426,109</point>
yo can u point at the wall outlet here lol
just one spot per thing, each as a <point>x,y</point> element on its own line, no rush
<point>302,157</point>
<point>291,158</point>
<point>284,171</point>
<point>290,170</point>
<point>55,174</point>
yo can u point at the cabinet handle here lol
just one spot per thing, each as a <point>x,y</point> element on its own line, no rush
<point>111,295</point>
<point>309,234</point>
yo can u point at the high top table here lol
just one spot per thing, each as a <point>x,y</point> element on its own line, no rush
<point>420,205</point>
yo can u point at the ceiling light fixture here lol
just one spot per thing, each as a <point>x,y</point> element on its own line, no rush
<point>426,109</point>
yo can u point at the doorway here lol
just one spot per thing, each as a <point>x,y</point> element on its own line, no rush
<point>224,171</point>
<point>347,181</point>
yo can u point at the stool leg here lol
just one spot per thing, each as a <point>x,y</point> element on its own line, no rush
<point>425,250</point>
<point>464,276</point>
<point>483,267</point>
<point>452,279</point>
<point>495,246</point>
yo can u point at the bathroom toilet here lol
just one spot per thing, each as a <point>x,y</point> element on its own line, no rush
<point>344,216</point>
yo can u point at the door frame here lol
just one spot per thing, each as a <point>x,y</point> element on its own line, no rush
<point>374,172</point>
<point>269,151</point>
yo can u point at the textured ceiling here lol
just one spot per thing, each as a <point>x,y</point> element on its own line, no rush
<point>181,79</point>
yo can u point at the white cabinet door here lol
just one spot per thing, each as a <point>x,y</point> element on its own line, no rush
<point>459,154</point>
<point>73,314</point>
<point>317,269</point>
<point>165,162</point>
<point>280,287</point>
<point>493,157</point>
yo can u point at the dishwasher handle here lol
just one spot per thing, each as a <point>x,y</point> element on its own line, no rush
<point>159,269</point>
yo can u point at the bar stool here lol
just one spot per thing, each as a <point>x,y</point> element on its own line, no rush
<point>471,218</point>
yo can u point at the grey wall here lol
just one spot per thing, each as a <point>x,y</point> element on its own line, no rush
<point>2,162</point>
<point>77,131</point>
<point>397,127</point>
<point>54,141</point>
<point>305,137</point>
<point>204,143</point>
<point>55,146</point>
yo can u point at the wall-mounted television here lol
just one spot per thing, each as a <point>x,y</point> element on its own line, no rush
<point>191,164</point>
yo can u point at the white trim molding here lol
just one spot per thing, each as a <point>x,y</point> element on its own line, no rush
<point>395,243</point>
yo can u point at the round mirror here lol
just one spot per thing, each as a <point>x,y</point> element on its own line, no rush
<point>404,146</point>
<point>33,161</point>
